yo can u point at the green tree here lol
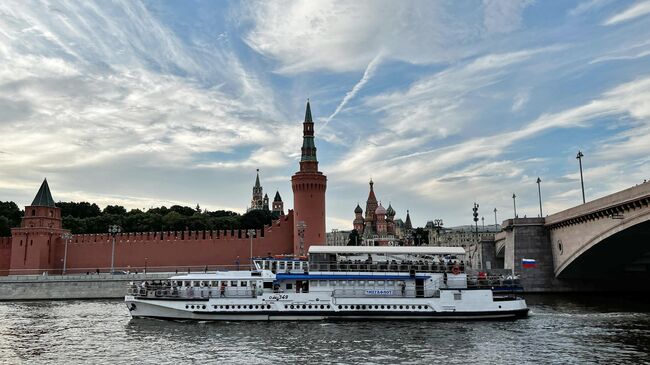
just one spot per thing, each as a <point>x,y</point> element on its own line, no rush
<point>186,211</point>
<point>114,209</point>
<point>11,211</point>
<point>5,227</point>
<point>174,221</point>
<point>354,239</point>
<point>256,219</point>
<point>420,236</point>
<point>75,225</point>
<point>79,210</point>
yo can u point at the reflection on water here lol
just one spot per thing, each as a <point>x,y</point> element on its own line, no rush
<point>561,329</point>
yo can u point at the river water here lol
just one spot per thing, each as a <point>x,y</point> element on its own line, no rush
<point>561,329</point>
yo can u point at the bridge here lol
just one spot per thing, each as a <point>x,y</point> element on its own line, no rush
<point>607,238</point>
<point>610,235</point>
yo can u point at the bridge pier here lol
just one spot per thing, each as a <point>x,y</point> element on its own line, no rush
<point>526,238</point>
<point>602,245</point>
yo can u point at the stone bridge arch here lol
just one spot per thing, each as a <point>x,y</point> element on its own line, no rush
<point>603,237</point>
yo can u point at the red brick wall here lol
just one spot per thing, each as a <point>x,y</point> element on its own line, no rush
<point>5,255</point>
<point>176,250</point>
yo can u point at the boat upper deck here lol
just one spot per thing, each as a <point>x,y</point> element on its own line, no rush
<point>370,259</point>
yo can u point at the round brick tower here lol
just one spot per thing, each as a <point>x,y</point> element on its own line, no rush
<point>309,187</point>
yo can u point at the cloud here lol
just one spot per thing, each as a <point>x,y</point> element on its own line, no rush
<point>347,36</point>
<point>587,6</point>
<point>367,74</point>
<point>503,16</point>
<point>107,100</point>
<point>520,100</point>
<point>635,11</point>
<point>413,169</point>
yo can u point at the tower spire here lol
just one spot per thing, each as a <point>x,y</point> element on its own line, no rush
<point>44,196</point>
<point>308,160</point>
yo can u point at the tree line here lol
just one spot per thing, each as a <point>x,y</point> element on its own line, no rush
<point>85,217</point>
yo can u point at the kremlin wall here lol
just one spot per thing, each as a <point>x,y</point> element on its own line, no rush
<point>38,245</point>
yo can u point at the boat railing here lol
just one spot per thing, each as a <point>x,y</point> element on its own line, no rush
<point>168,291</point>
<point>386,266</point>
<point>493,281</point>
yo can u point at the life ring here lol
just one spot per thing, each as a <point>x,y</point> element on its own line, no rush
<point>455,270</point>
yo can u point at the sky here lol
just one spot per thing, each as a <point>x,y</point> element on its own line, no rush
<point>442,104</point>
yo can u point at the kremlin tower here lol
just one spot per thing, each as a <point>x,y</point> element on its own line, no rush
<point>308,186</point>
<point>34,242</point>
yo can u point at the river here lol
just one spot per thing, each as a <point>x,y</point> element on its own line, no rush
<point>562,329</point>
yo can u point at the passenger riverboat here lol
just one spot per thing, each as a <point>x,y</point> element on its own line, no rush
<point>336,283</point>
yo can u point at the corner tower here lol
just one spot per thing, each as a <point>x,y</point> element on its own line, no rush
<point>309,187</point>
<point>34,243</point>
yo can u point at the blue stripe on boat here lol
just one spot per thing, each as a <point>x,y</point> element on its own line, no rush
<point>345,277</point>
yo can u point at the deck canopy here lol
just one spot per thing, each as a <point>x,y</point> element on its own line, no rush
<point>390,250</point>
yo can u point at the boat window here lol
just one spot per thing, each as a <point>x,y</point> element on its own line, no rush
<point>233,283</point>
<point>268,285</point>
<point>371,282</point>
<point>281,266</point>
<point>342,282</point>
<point>186,283</point>
<point>380,282</point>
<point>243,283</point>
<point>362,282</point>
<point>215,283</point>
<point>457,296</point>
<point>289,286</point>
<point>390,282</point>
<point>323,282</point>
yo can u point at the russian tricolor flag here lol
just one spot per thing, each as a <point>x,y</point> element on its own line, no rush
<point>528,263</point>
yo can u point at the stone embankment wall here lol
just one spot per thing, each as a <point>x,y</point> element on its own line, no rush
<point>48,287</point>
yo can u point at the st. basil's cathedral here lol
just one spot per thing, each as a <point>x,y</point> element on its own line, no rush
<point>379,227</point>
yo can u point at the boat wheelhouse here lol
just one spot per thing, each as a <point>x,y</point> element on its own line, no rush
<point>336,283</point>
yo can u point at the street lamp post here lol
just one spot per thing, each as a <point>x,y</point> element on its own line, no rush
<point>579,156</point>
<point>539,193</point>
<point>475,214</point>
<point>495,219</point>
<point>302,227</point>
<point>145,266</point>
<point>251,233</point>
<point>66,237</point>
<point>113,230</point>
<point>514,203</point>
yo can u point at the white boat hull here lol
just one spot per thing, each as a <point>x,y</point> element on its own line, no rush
<point>475,305</point>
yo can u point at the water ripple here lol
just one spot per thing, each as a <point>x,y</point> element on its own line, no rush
<point>561,330</point>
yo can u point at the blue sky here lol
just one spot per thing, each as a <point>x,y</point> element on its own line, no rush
<point>440,103</point>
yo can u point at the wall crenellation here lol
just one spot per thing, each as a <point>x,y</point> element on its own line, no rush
<point>195,235</point>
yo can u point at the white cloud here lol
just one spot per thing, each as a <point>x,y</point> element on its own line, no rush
<point>414,169</point>
<point>347,36</point>
<point>587,6</point>
<point>635,11</point>
<point>503,16</point>
<point>107,89</point>
<point>367,74</point>
<point>521,98</point>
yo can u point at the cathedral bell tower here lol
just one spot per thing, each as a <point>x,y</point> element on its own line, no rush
<point>309,187</point>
